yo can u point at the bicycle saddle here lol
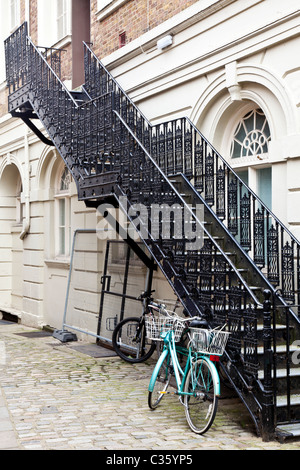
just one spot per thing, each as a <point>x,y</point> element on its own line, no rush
<point>199,323</point>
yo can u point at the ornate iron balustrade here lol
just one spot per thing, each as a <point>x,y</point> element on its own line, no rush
<point>35,87</point>
<point>204,279</point>
<point>179,147</point>
<point>107,134</point>
<point>84,133</point>
<point>16,58</point>
<point>111,149</point>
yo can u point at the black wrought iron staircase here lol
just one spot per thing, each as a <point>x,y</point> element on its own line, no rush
<point>225,255</point>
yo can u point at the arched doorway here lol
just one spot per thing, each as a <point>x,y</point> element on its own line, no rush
<point>11,220</point>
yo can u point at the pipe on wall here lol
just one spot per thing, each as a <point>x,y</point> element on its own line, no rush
<point>26,189</point>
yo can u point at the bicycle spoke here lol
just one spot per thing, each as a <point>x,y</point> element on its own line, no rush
<point>201,403</point>
<point>161,385</point>
<point>129,341</point>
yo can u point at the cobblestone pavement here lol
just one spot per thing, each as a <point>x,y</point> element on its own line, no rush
<point>53,397</point>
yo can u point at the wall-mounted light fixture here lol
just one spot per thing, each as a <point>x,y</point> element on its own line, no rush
<point>165,42</point>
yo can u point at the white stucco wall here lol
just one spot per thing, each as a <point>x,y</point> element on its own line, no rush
<point>225,56</point>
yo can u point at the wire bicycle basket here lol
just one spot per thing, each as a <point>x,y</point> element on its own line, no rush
<point>156,325</point>
<point>209,341</point>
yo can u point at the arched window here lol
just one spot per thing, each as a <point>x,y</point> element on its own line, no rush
<point>65,180</point>
<point>251,137</point>
<point>249,153</point>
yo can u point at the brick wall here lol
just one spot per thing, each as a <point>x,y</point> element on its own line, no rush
<point>33,21</point>
<point>134,18</point>
<point>4,91</point>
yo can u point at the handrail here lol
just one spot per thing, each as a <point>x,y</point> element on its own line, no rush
<point>109,131</point>
<point>115,82</point>
<point>62,85</point>
<point>103,131</point>
<point>199,222</point>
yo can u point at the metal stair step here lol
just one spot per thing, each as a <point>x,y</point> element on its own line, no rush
<point>205,237</point>
<point>279,326</point>
<point>281,373</point>
<point>280,349</point>
<point>288,430</point>
<point>282,400</point>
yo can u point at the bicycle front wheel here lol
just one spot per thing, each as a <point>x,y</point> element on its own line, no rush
<point>130,342</point>
<point>160,380</point>
<point>201,403</point>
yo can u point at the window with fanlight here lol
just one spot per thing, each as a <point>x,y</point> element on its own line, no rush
<point>251,137</point>
<point>249,153</point>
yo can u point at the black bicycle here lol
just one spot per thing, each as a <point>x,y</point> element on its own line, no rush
<point>129,338</point>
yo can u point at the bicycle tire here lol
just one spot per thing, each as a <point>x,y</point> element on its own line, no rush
<point>129,341</point>
<point>160,381</point>
<point>200,407</point>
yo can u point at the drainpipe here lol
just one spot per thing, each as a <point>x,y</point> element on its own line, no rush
<point>26,190</point>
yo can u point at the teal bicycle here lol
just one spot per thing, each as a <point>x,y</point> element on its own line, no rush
<point>190,370</point>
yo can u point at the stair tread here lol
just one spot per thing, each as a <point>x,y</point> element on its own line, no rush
<point>278,327</point>
<point>282,400</point>
<point>280,348</point>
<point>280,373</point>
<point>291,429</point>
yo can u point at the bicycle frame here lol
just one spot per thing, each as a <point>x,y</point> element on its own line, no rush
<point>180,374</point>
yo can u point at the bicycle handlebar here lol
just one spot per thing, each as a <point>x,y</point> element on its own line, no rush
<point>164,311</point>
<point>145,295</point>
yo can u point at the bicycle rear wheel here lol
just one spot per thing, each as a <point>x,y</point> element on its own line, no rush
<point>130,342</point>
<point>201,404</point>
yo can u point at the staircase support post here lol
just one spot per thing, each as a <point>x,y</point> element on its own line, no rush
<point>268,423</point>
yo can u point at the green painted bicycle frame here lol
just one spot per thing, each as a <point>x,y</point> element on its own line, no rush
<point>171,350</point>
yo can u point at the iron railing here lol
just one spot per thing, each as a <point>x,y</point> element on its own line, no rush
<point>108,135</point>
<point>179,147</point>
<point>94,138</point>
<point>16,58</point>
